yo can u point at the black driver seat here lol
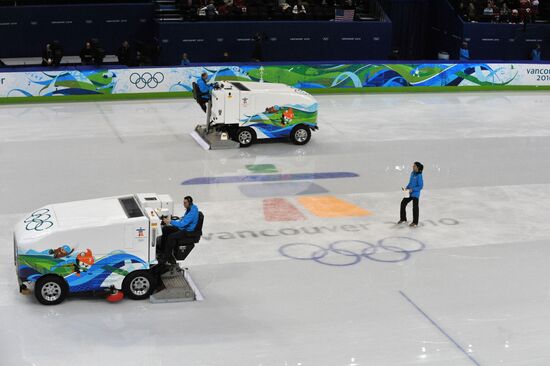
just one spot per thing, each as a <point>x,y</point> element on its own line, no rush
<point>196,92</point>
<point>198,96</point>
<point>185,245</point>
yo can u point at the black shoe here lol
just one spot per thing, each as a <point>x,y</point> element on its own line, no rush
<point>166,268</point>
<point>401,221</point>
<point>413,225</point>
<point>174,270</point>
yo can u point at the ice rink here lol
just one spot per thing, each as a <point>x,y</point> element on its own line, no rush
<point>306,267</point>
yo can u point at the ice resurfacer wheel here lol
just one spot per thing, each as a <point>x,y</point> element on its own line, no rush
<point>246,136</point>
<point>138,285</point>
<point>300,135</point>
<point>50,290</point>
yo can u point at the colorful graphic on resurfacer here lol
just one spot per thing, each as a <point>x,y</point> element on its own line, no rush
<point>277,121</point>
<point>81,270</point>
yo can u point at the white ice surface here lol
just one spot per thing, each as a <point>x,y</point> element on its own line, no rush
<point>477,294</point>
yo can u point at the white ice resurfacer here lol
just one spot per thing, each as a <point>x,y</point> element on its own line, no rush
<point>239,113</point>
<point>99,245</point>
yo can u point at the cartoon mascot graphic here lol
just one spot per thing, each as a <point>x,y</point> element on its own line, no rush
<point>288,116</point>
<point>84,261</point>
<point>61,252</point>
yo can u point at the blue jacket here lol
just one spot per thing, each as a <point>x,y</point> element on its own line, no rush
<point>416,183</point>
<point>535,55</point>
<point>189,221</point>
<point>205,88</point>
<point>464,54</point>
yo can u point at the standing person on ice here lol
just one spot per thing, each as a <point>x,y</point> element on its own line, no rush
<point>416,183</point>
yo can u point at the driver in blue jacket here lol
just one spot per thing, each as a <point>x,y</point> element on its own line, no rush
<point>416,183</point>
<point>205,90</point>
<point>179,229</point>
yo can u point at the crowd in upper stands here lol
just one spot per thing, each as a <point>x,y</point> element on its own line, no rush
<point>64,2</point>
<point>499,11</point>
<point>271,9</point>
<point>191,10</point>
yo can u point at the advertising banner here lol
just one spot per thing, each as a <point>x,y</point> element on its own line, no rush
<point>305,76</point>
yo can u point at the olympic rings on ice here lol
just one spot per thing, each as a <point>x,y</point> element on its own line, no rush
<point>349,252</point>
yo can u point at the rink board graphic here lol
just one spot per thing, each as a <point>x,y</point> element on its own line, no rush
<point>324,78</point>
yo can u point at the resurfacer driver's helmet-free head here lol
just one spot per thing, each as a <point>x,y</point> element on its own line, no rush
<point>187,201</point>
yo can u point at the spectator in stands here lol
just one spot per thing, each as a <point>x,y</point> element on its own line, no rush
<point>524,4</point>
<point>142,58</point>
<point>47,55</point>
<point>225,57</point>
<point>286,9</point>
<point>528,16</point>
<point>472,11</point>
<point>223,11</point>
<point>210,11</point>
<point>124,54</point>
<point>57,49</point>
<point>232,11</point>
<point>299,10</point>
<point>98,52</point>
<point>488,11</point>
<point>349,5</point>
<point>144,54</point>
<point>257,54</point>
<point>535,53</point>
<point>394,54</point>
<point>534,9</point>
<point>505,12</point>
<point>462,10</point>
<point>154,52</point>
<point>464,53</point>
<point>185,60</point>
<point>240,3</point>
<point>186,7</point>
<point>87,54</point>
<point>514,18</point>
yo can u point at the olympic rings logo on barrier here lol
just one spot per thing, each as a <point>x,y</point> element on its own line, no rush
<point>39,220</point>
<point>146,79</point>
<point>349,252</point>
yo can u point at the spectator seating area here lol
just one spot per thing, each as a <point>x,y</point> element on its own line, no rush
<point>66,2</point>
<point>237,30</point>
<point>65,61</point>
<point>197,10</point>
<point>234,10</point>
<point>503,11</point>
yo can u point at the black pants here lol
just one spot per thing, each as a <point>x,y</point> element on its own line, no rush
<point>404,204</point>
<point>170,237</point>
<point>202,102</point>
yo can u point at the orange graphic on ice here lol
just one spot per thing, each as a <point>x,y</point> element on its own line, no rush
<point>330,206</point>
<point>279,209</point>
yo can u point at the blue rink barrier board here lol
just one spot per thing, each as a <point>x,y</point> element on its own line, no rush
<point>128,83</point>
